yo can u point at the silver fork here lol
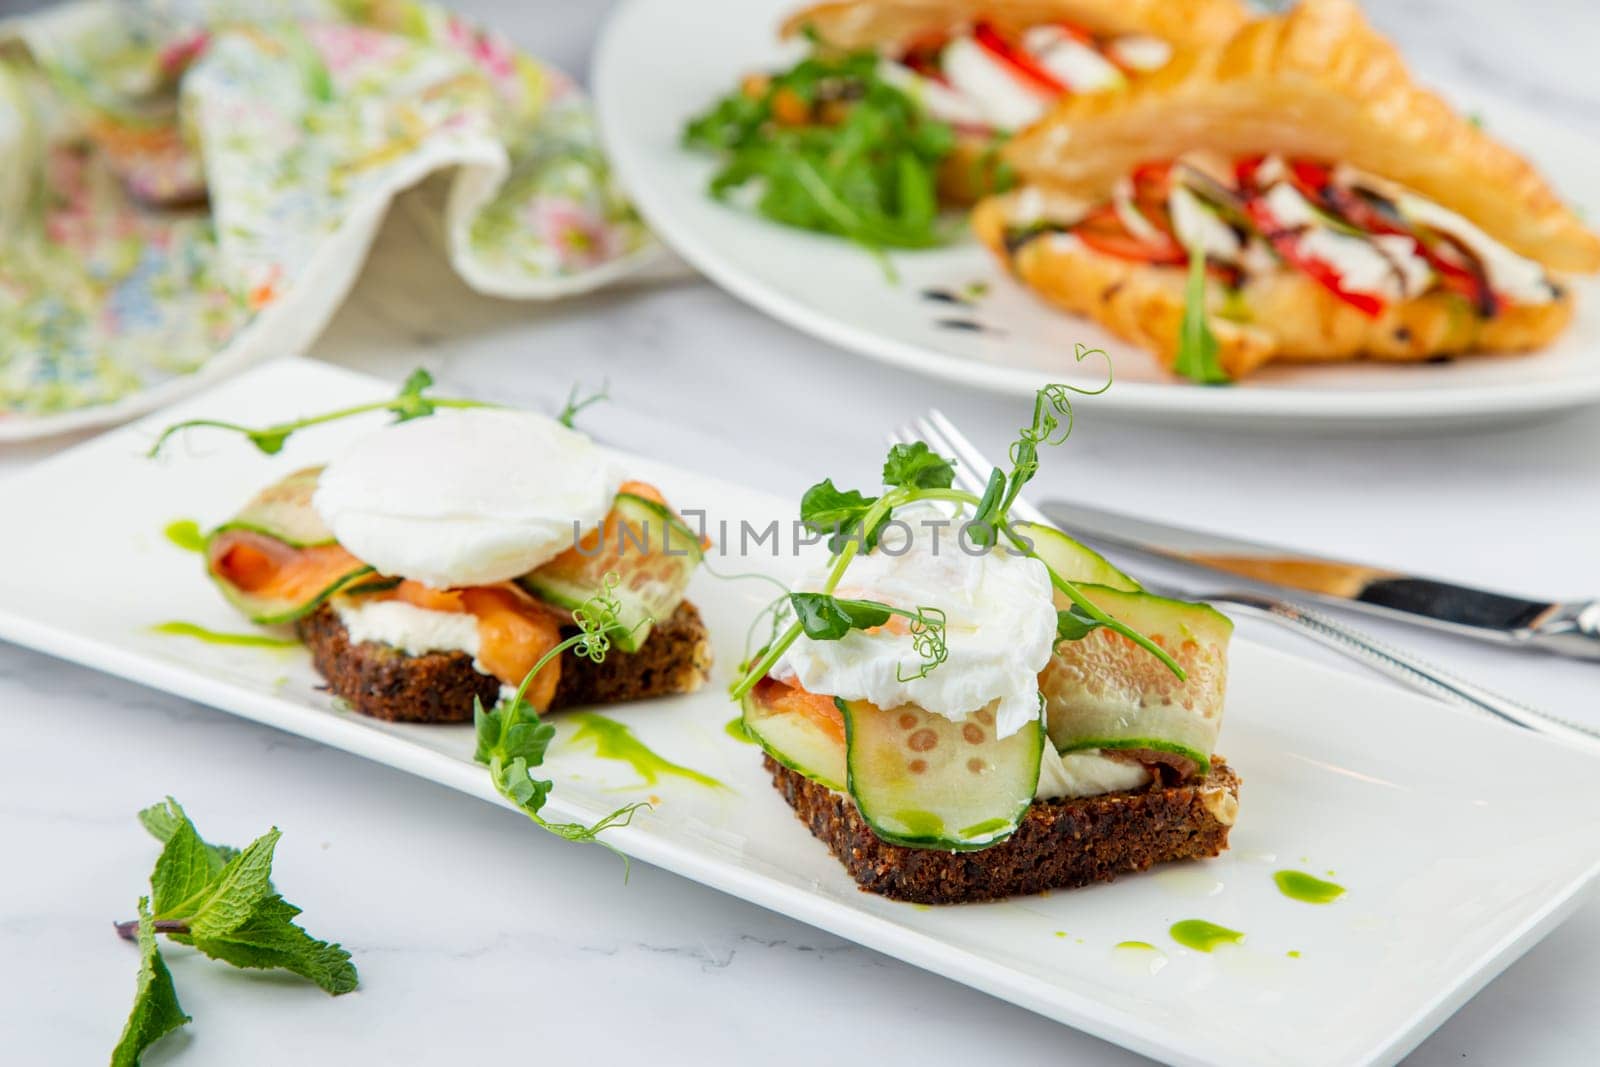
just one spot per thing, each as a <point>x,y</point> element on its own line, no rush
<point>972,471</point>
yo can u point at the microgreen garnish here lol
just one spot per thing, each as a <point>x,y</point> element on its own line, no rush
<point>914,473</point>
<point>828,618</point>
<point>512,739</point>
<point>221,901</point>
<point>412,402</point>
<point>1197,345</point>
<point>575,404</point>
<point>917,465</point>
<point>832,147</point>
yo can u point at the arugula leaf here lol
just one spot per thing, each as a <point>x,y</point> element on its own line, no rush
<point>156,1011</point>
<point>830,145</point>
<point>1197,345</point>
<point>917,466</point>
<point>827,509</point>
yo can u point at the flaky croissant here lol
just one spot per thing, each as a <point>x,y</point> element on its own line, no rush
<point>1289,318</point>
<point>1318,82</point>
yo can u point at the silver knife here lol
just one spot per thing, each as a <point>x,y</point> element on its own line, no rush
<point>1568,629</point>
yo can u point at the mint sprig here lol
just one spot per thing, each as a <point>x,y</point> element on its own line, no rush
<point>222,902</point>
<point>156,1011</point>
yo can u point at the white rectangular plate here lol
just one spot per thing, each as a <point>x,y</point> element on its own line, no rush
<point>1461,842</point>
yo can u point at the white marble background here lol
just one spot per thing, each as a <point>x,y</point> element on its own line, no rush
<point>479,939</point>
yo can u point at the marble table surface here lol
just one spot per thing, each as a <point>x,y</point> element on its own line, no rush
<point>479,939</point>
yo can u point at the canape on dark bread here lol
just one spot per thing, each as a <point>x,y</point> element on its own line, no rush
<point>440,687</point>
<point>1059,844</point>
<point>401,650</point>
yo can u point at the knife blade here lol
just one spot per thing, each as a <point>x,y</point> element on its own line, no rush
<point>1566,628</point>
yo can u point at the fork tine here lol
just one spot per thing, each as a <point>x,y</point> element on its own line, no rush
<point>972,470</point>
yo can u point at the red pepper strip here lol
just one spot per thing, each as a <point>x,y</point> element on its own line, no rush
<point>1287,244</point>
<point>1017,61</point>
<point>1077,33</point>
<point>1104,232</point>
<point>1244,171</point>
<point>1456,277</point>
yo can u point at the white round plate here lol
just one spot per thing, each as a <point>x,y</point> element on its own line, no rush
<point>659,62</point>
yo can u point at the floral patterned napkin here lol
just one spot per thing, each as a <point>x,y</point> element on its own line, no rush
<point>192,185</point>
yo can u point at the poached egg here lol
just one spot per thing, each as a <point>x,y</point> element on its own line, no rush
<point>465,497</point>
<point>1000,627</point>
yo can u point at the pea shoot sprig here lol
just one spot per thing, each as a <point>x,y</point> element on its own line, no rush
<point>412,402</point>
<point>914,473</point>
<point>512,739</point>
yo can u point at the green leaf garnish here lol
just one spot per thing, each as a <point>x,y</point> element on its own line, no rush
<point>918,466</point>
<point>1074,625</point>
<point>222,902</point>
<point>411,402</point>
<point>156,1011</point>
<point>1197,345</point>
<point>576,404</point>
<point>839,513</point>
<point>828,618</point>
<point>512,739</point>
<point>828,145</point>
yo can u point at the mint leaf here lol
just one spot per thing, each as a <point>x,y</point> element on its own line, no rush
<point>182,874</point>
<point>1197,345</point>
<point>917,466</point>
<point>233,896</point>
<point>270,939</point>
<point>164,819</point>
<point>156,1011</point>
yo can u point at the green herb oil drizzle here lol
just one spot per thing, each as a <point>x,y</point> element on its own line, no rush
<point>1203,936</point>
<point>1307,888</point>
<point>612,740</point>
<point>215,637</point>
<point>735,729</point>
<point>185,533</point>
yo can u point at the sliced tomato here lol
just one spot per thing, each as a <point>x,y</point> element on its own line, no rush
<point>1104,232</point>
<point>1287,244</point>
<point>1019,63</point>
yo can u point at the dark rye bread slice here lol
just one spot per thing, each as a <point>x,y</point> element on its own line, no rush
<point>440,686</point>
<point>1061,844</point>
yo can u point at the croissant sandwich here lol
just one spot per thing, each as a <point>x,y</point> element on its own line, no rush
<point>1341,211</point>
<point>992,68</point>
